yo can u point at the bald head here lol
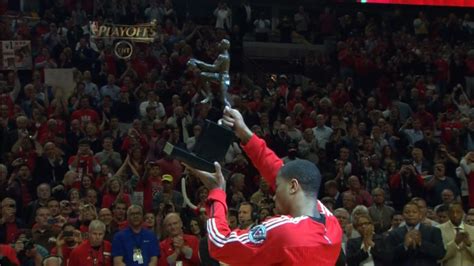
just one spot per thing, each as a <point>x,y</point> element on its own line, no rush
<point>173,224</point>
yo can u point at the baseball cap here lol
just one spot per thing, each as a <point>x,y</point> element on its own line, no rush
<point>168,178</point>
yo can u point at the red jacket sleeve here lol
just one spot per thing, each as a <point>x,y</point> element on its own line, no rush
<point>9,253</point>
<point>265,160</point>
<point>230,247</point>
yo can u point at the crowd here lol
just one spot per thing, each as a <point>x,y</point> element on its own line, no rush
<point>387,118</point>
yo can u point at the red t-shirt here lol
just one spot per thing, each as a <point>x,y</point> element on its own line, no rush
<point>85,165</point>
<point>11,232</point>
<point>85,255</point>
<point>166,249</point>
<point>151,187</point>
<point>86,116</point>
<point>9,253</point>
<point>109,199</point>
<point>66,253</point>
<point>6,99</point>
<point>442,70</point>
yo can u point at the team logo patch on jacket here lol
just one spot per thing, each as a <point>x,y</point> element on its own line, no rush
<point>258,234</point>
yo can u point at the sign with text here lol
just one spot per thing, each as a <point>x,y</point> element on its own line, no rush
<point>126,34</point>
<point>15,54</point>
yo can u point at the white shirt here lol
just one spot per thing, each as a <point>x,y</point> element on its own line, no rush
<point>222,18</point>
<point>322,135</point>
<point>370,260</point>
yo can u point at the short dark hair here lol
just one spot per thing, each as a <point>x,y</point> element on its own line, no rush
<point>306,172</point>
<point>442,208</point>
<point>84,142</point>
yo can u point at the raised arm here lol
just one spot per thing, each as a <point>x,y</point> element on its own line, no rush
<point>215,67</point>
<point>230,247</point>
<point>265,160</point>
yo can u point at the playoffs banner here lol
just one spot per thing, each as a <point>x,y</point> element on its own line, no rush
<point>15,54</point>
<point>125,34</point>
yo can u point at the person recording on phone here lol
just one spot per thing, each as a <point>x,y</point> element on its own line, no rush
<point>305,234</point>
<point>67,240</point>
<point>10,225</point>
<point>84,162</point>
<point>405,184</point>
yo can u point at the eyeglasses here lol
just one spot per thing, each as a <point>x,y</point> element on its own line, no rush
<point>10,205</point>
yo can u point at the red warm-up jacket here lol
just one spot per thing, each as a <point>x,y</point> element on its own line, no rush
<point>280,240</point>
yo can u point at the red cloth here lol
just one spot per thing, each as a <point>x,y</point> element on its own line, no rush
<point>9,253</point>
<point>427,120</point>
<point>395,181</point>
<point>442,70</point>
<point>6,99</point>
<point>12,232</point>
<point>26,197</point>
<point>84,255</point>
<point>86,162</point>
<point>287,241</point>
<point>86,116</point>
<point>151,187</point>
<point>469,67</point>
<point>167,249</point>
<point>66,253</point>
<point>109,199</point>
<point>447,128</point>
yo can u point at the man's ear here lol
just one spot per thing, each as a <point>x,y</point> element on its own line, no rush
<point>294,186</point>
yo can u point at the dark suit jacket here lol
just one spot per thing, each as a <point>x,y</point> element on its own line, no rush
<point>355,255</point>
<point>431,249</point>
<point>46,173</point>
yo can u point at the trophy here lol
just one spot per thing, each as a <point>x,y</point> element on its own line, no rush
<point>215,139</point>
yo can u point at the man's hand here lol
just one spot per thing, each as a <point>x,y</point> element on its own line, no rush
<point>467,239</point>
<point>409,241</point>
<point>210,180</point>
<point>459,238</point>
<point>416,238</point>
<point>178,243</point>
<point>232,118</point>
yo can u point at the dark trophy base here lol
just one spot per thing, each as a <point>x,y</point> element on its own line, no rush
<point>211,147</point>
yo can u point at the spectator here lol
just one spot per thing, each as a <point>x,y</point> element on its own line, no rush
<point>10,226</point>
<point>68,239</point>
<point>370,247</point>
<point>42,231</point>
<point>301,22</point>
<point>380,213</point>
<point>95,250</point>
<point>178,247</point>
<point>223,16</point>
<point>415,242</point>
<point>127,249</point>
<point>438,183</point>
<point>262,28</point>
<point>108,156</point>
<point>456,237</point>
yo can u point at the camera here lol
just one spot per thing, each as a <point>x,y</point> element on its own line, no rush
<point>407,162</point>
<point>28,244</point>
<point>52,221</point>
